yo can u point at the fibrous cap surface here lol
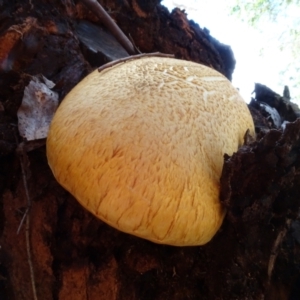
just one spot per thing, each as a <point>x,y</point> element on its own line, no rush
<point>141,145</point>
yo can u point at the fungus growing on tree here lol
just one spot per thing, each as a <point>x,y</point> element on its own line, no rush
<point>140,145</point>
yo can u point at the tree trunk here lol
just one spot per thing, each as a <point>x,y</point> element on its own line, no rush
<point>62,251</point>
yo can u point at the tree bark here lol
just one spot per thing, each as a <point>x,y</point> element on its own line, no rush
<point>63,252</point>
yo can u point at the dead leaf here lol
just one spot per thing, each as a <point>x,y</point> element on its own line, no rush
<point>38,106</point>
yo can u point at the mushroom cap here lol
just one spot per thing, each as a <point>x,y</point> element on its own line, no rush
<point>140,145</point>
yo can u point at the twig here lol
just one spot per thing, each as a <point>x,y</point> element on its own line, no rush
<point>24,164</point>
<point>23,158</point>
<point>28,248</point>
<point>277,243</point>
<point>115,30</point>
<point>128,58</point>
<point>275,251</point>
<point>23,218</point>
<point>137,50</point>
<point>21,151</point>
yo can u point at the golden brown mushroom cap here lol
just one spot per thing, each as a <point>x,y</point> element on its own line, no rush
<point>140,145</point>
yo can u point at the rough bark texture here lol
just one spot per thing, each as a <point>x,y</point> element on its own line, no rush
<point>255,255</point>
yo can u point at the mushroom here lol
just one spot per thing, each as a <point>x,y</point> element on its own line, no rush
<point>140,145</point>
